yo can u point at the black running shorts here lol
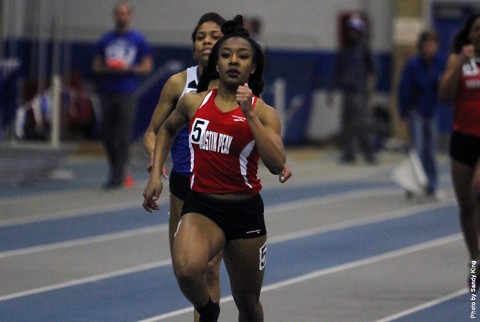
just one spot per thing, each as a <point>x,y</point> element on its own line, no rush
<point>238,219</point>
<point>179,184</point>
<point>465,148</point>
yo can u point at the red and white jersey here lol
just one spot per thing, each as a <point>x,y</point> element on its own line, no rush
<point>224,156</point>
<point>466,117</point>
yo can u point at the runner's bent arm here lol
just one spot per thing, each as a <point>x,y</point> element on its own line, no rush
<point>265,126</point>
<point>266,129</point>
<point>163,143</point>
<point>449,82</point>
<point>166,103</point>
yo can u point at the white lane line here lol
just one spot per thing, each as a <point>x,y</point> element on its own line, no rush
<point>281,238</point>
<point>90,279</point>
<point>424,306</point>
<point>288,206</point>
<point>367,260</point>
<point>405,212</point>
<point>158,264</point>
<point>86,211</point>
<point>331,270</point>
<point>85,241</point>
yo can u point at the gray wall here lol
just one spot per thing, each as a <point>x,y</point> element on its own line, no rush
<point>307,24</point>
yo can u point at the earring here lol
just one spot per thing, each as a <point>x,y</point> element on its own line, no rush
<point>216,67</point>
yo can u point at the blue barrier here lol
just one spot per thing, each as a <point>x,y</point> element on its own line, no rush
<point>303,73</point>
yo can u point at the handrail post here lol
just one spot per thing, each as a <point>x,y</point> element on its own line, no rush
<point>55,120</point>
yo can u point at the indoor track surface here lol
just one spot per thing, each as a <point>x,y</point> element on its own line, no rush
<point>344,245</point>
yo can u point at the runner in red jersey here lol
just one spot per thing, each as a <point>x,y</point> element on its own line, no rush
<point>467,99</point>
<point>224,147</point>
<point>204,36</point>
<point>224,212</point>
<point>461,84</point>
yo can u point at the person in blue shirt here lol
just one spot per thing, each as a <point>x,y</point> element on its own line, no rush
<point>121,57</point>
<point>419,104</point>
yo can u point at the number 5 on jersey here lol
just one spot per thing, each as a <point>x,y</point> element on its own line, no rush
<point>199,128</point>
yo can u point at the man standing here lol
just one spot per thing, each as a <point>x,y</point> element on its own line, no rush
<point>355,76</point>
<point>121,57</point>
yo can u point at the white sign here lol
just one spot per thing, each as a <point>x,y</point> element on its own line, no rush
<point>406,30</point>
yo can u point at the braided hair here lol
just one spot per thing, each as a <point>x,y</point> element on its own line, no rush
<point>461,38</point>
<point>208,17</point>
<point>230,29</point>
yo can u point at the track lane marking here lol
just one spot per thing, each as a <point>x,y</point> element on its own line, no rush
<point>287,206</point>
<point>425,305</point>
<point>334,269</point>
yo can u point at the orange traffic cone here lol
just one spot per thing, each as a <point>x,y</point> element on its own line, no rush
<point>129,182</point>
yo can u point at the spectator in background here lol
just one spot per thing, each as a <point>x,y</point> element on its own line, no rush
<point>419,105</point>
<point>121,57</point>
<point>354,75</point>
<point>254,27</point>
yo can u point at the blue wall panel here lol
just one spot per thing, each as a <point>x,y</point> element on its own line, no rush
<point>303,72</point>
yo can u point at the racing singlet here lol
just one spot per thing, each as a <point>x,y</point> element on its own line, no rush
<point>466,116</point>
<point>180,151</point>
<point>224,156</point>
